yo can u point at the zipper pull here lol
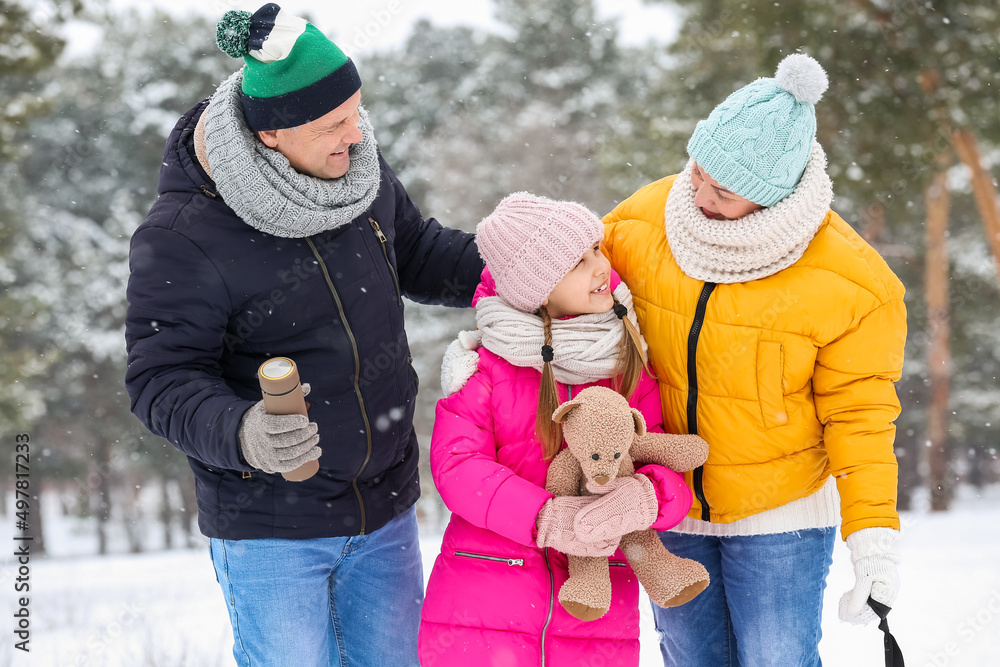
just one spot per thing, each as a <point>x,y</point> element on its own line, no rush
<point>515,561</point>
<point>207,192</point>
<point>378,230</point>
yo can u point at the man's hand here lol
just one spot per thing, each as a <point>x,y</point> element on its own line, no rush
<point>278,443</point>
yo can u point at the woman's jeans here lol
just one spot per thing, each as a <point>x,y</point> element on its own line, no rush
<point>337,601</point>
<point>763,606</point>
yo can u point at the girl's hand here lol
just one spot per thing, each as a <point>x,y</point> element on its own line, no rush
<point>628,505</point>
<point>673,494</point>
<point>555,528</point>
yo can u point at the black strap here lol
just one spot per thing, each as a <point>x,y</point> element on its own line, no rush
<point>893,656</point>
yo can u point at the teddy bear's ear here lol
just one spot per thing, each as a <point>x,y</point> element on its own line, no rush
<point>560,414</point>
<point>640,422</point>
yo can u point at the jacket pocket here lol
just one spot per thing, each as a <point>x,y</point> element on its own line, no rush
<point>519,562</point>
<point>770,368</point>
<point>383,241</point>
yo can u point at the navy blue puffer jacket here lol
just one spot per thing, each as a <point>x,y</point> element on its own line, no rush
<point>211,298</point>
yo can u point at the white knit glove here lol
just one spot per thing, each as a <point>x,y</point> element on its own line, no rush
<point>873,552</point>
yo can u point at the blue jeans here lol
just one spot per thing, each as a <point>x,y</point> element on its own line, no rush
<point>763,606</point>
<point>337,601</point>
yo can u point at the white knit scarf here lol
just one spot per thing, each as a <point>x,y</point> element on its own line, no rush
<point>260,185</point>
<point>752,247</point>
<point>585,347</point>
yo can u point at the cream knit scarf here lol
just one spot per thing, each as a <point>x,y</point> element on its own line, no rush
<point>755,246</point>
<point>260,185</point>
<point>585,348</point>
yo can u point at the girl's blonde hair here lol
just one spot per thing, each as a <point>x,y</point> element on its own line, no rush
<point>632,362</point>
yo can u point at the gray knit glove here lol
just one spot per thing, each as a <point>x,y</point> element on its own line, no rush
<point>278,443</point>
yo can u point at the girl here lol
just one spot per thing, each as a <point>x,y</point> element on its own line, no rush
<point>553,318</point>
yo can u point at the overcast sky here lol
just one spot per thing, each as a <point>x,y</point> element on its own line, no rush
<point>359,25</point>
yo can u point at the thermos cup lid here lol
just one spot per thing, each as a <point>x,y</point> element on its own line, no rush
<point>277,368</point>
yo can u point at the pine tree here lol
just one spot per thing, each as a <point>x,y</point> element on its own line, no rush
<point>86,176</point>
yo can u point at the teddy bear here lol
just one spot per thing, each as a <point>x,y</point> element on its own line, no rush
<point>604,437</point>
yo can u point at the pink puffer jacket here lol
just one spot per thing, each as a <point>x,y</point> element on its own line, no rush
<point>491,596</point>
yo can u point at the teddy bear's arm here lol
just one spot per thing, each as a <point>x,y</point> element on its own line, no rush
<point>680,453</point>
<point>563,478</point>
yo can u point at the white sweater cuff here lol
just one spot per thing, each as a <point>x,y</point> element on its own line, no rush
<point>819,510</point>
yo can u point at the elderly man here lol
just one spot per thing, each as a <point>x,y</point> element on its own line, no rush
<point>280,231</point>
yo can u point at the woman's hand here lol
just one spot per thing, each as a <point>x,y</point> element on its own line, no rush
<point>876,572</point>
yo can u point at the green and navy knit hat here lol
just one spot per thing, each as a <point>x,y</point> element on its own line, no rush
<point>757,142</point>
<point>293,75</point>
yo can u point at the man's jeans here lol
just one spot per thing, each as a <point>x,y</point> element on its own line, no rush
<point>763,606</point>
<point>337,601</point>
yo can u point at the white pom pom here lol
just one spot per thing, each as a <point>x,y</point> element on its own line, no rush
<point>803,77</point>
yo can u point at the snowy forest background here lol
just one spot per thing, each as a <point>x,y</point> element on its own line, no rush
<point>551,101</point>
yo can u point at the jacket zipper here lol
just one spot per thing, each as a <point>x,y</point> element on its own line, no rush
<point>692,402</point>
<point>510,561</point>
<point>552,601</point>
<point>357,377</point>
<point>383,240</point>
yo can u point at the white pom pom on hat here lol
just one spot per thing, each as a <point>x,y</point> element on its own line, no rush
<point>803,77</point>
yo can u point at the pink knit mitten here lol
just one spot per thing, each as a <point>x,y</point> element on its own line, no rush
<point>630,505</point>
<point>674,495</point>
<point>555,528</point>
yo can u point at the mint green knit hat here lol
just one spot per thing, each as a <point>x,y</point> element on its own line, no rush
<point>757,142</point>
<point>293,75</point>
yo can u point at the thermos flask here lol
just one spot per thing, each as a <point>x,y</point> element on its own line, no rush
<point>279,383</point>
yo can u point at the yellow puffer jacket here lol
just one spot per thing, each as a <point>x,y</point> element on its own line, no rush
<point>789,378</point>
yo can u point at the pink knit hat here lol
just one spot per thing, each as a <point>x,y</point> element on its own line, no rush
<point>529,243</point>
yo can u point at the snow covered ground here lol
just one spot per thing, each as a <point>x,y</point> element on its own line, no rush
<point>165,609</point>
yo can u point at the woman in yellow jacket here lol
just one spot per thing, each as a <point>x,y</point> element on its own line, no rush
<point>776,334</point>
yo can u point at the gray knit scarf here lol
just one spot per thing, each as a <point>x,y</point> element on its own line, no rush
<point>260,185</point>
<point>585,347</point>
<point>755,246</point>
